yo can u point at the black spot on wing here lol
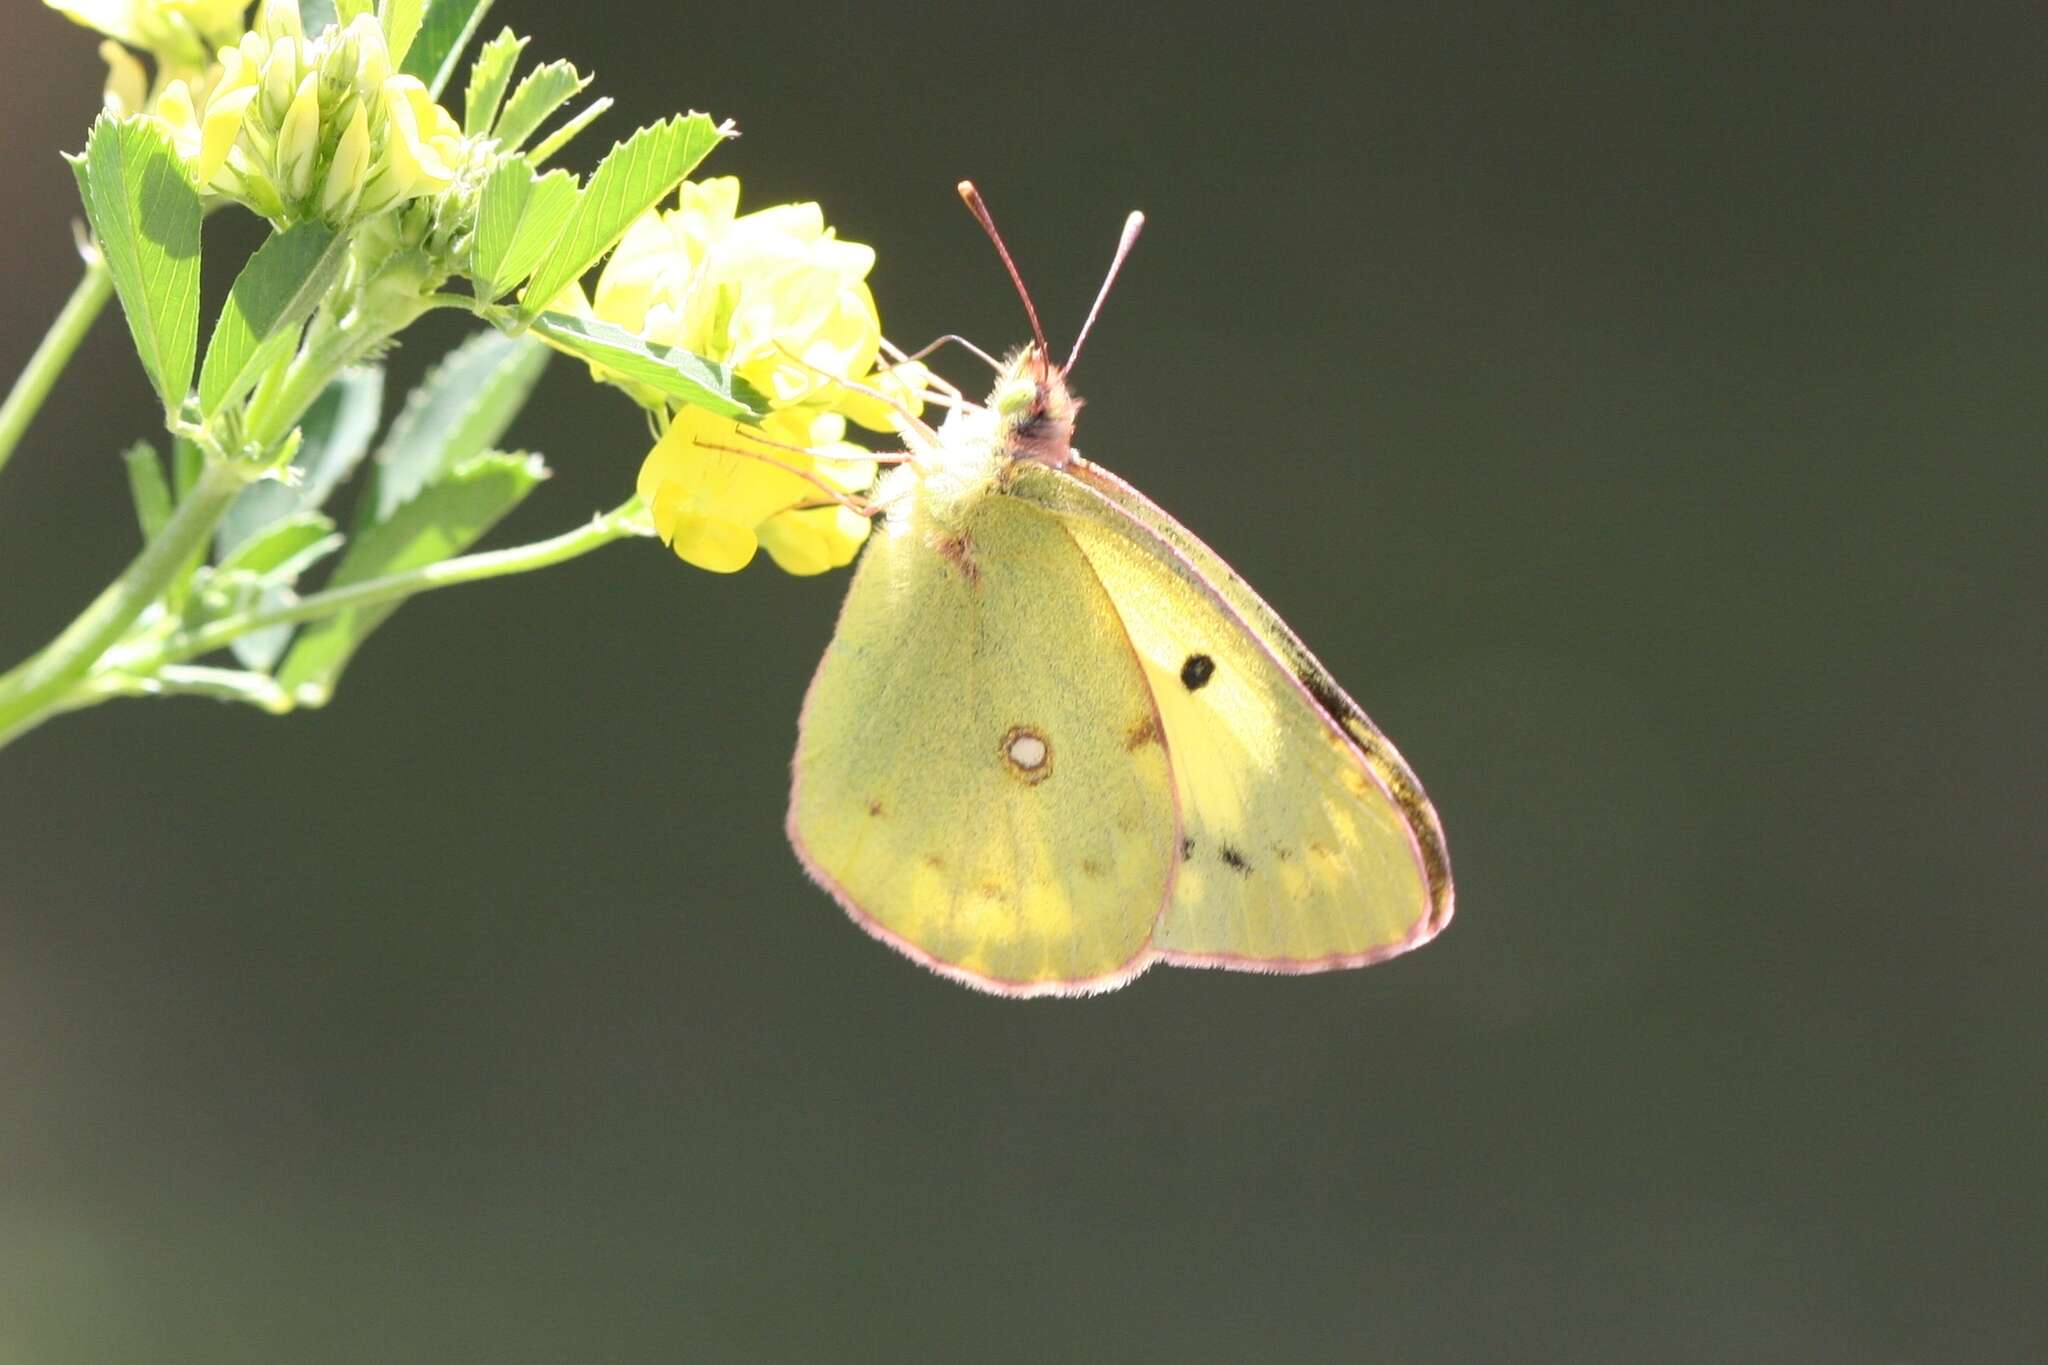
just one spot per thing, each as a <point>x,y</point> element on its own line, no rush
<point>1187,847</point>
<point>1196,672</point>
<point>1237,861</point>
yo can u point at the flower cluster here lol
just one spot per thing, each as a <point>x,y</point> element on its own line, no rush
<point>300,127</point>
<point>777,297</point>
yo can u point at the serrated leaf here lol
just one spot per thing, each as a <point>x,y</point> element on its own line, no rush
<point>541,226</point>
<point>278,545</point>
<point>338,428</point>
<point>636,175</point>
<point>145,214</point>
<point>458,411</point>
<point>270,301</point>
<point>444,520</point>
<point>544,90</point>
<point>400,20</point>
<point>677,374</point>
<point>443,33</point>
<point>519,218</point>
<point>488,77</point>
<point>148,487</point>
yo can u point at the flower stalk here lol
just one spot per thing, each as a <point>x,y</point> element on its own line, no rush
<point>31,691</point>
<point>53,353</point>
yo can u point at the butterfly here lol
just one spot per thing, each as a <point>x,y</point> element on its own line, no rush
<point>1056,739</point>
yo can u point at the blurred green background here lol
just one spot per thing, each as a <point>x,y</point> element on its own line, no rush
<point>1642,414</point>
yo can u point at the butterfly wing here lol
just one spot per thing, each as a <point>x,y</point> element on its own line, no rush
<point>974,777</point>
<point>1307,844</point>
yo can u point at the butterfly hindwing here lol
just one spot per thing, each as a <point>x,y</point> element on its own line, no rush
<point>975,778</point>
<point>1306,844</point>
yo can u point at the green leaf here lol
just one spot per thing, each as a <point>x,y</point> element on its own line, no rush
<point>444,520</point>
<point>338,428</point>
<point>275,560</point>
<point>146,216</point>
<point>345,11</point>
<point>279,545</point>
<point>400,20</point>
<point>562,136</point>
<point>636,175</point>
<point>270,301</point>
<point>544,90</point>
<point>458,411</point>
<point>148,487</point>
<point>443,34</point>
<point>677,374</point>
<point>519,218</point>
<point>487,81</point>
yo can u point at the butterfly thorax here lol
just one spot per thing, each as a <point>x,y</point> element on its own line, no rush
<point>1028,419</point>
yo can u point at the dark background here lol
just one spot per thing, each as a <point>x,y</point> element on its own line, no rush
<point>1641,414</point>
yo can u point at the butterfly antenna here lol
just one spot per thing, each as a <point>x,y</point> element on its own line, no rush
<point>1132,226</point>
<point>972,197</point>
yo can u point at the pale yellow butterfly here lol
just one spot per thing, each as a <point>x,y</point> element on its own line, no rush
<point>1056,739</point>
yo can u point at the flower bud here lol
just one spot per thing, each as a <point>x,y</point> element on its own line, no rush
<point>280,79</point>
<point>345,174</point>
<point>224,114</point>
<point>298,140</point>
<point>280,19</point>
<point>373,57</point>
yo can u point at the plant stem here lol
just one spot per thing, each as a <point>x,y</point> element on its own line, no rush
<point>621,522</point>
<point>34,690</point>
<point>52,354</point>
<point>329,349</point>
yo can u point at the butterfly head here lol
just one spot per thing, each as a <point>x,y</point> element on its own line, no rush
<point>1034,410</point>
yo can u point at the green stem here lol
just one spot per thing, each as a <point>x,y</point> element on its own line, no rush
<point>90,295</point>
<point>624,520</point>
<point>34,690</point>
<point>274,410</point>
<point>175,680</point>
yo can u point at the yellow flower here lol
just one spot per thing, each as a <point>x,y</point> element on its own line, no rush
<point>773,293</point>
<point>778,297</point>
<point>706,502</point>
<point>423,146</point>
<point>715,503</point>
<point>127,88</point>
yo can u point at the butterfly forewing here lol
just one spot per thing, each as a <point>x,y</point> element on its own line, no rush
<point>977,778</point>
